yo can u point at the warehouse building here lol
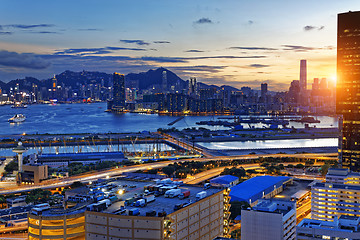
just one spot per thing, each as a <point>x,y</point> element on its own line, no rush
<point>225,181</point>
<point>259,187</point>
<point>64,159</point>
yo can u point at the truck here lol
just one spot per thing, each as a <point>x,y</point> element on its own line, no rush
<point>140,203</point>
<point>129,201</point>
<point>201,195</point>
<point>149,198</point>
<point>106,201</point>
<point>172,193</point>
<point>184,194</point>
<point>144,201</point>
<point>134,212</point>
<point>113,198</point>
<point>151,213</point>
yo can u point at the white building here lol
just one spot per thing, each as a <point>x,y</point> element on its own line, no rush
<point>342,176</point>
<point>269,220</point>
<point>330,200</point>
<point>346,227</point>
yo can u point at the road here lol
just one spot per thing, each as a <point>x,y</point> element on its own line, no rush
<point>203,176</point>
<point>118,171</point>
<point>303,210</point>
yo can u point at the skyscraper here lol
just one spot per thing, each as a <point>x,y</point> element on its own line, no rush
<point>264,90</point>
<point>303,77</point>
<point>348,88</point>
<point>119,92</point>
<point>164,81</point>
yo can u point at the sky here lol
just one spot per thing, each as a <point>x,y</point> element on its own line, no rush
<point>232,42</point>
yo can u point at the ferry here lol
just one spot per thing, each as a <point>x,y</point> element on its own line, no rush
<point>17,118</point>
<point>19,105</point>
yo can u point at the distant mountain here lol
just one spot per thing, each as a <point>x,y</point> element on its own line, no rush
<point>154,77</point>
<point>76,79</point>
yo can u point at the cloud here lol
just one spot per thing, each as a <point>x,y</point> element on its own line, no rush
<point>89,29</point>
<point>204,20</point>
<point>194,51</point>
<point>103,50</point>
<point>297,48</point>
<point>186,59</point>
<point>199,68</point>
<point>138,42</point>
<point>44,32</point>
<point>309,28</point>
<point>253,48</point>
<point>161,42</point>
<point>22,60</point>
<point>224,57</point>
<point>164,59</point>
<point>26,26</point>
<point>256,65</point>
<point>5,33</point>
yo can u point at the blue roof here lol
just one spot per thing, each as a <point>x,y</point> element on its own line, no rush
<point>254,188</point>
<point>226,179</point>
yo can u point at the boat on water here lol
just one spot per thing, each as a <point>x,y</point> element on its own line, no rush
<point>17,118</point>
<point>19,105</point>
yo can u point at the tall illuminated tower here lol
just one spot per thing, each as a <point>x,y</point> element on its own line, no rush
<point>164,81</point>
<point>348,88</point>
<point>119,92</point>
<point>303,77</point>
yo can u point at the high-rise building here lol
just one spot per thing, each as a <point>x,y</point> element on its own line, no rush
<point>164,81</point>
<point>264,90</point>
<point>303,77</point>
<point>192,87</point>
<point>270,220</point>
<point>315,85</point>
<point>119,92</point>
<point>348,87</point>
<point>330,200</point>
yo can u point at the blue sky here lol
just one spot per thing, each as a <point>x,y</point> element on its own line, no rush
<point>235,42</point>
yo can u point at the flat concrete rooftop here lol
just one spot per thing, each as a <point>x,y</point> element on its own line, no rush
<point>161,203</point>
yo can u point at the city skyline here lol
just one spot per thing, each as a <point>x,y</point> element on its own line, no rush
<point>238,44</point>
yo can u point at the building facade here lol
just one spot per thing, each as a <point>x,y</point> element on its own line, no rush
<point>52,224</point>
<point>330,201</point>
<point>118,103</point>
<point>348,87</point>
<point>204,219</point>
<point>269,220</point>
<point>346,227</point>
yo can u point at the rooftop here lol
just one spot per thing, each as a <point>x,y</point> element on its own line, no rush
<point>275,206</point>
<point>15,210</point>
<point>161,203</point>
<point>335,225</point>
<point>224,179</point>
<point>254,188</point>
<point>336,185</point>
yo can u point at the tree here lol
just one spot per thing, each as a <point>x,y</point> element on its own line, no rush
<point>11,166</point>
<point>169,170</point>
<point>299,165</point>
<point>324,169</point>
<point>38,196</point>
<point>76,184</point>
<point>236,207</point>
